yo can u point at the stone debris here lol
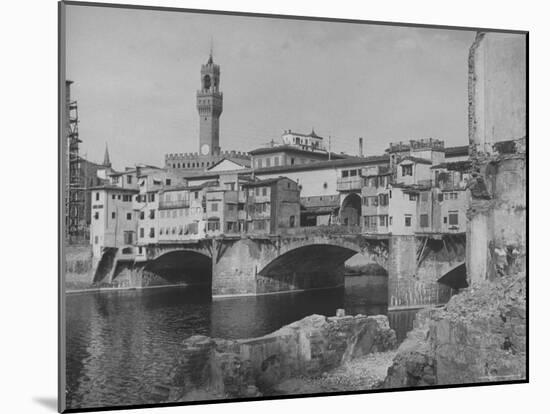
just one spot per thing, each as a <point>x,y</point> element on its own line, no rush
<point>479,336</point>
<point>364,373</point>
<point>339,346</point>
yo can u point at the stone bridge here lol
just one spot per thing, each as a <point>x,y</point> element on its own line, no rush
<point>422,269</point>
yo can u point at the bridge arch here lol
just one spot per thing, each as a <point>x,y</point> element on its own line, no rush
<point>305,267</point>
<point>182,266</point>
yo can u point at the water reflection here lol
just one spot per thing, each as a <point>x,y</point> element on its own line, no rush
<point>119,343</point>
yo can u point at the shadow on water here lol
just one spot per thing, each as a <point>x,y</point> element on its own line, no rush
<point>121,342</point>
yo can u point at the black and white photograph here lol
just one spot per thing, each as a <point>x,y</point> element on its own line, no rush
<point>266,206</point>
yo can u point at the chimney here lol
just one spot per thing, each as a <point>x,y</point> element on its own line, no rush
<point>360,147</point>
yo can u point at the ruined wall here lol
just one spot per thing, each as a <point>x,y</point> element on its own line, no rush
<point>497,89</point>
<point>249,367</point>
<point>496,230</point>
<point>497,218</point>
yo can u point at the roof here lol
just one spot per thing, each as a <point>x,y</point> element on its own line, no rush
<point>269,181</point>
<point>189,187</point>
<point>238,161</point>
<point>320,165</point>
<point>455,165</point>
<point>292,148</point>
<point>114,188</point>
<point>457,151</point>
<point>410,187</point>
<point>311,134</point>
<point>416,160</point>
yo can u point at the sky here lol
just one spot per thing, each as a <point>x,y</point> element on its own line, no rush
<point>136,73</point>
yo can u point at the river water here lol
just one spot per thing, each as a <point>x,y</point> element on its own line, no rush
<point>120,343</point>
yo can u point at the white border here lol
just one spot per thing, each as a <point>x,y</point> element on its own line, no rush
<point>29,206</point>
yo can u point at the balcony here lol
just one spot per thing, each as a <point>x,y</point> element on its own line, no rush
<point>349,183</point>
<point>163,205</point>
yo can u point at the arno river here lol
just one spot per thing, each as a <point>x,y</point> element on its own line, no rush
<point>121,343</point>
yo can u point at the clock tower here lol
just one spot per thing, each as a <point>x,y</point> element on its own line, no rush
<point>210,106</point>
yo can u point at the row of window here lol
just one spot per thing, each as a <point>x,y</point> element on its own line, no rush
<point>384,220</point>
<point>351,173</point>
<point>191,228</point>
<point>196,164</point>
<point>183,212</point>
<point>375,201</point>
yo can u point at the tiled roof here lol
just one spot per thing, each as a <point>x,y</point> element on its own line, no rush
<point>259,183</point>
<point>416,160</point>
<point>457,151</point>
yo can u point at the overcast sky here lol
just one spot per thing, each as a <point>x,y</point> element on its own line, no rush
<point>136,73</point>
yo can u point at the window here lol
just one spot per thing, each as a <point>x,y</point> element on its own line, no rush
<point>268,162</point>
<point>391,220</point>
<point>264,190</point>
<point>128,237</point>
<point>345,174</point>
<point>128,216</point>
<point>151,214</point>
<point>276,159</point>
<point>113,215</point>
<point>260,163</point>
<point>412,197</point>
<point>114,197</point>
<point>365,201</point>
<point>151,197</point>
<point>161,231</point>
<point>142,215</point>
<point>353,173</point>
<point>96,239</point>
<point>152,232</point>
<point>292,220</point>
<point>213,225</point>
<point>174,213</point>
<point>446,196</point>
<point>406,170</point>
<point>383,199</point>
<point>292,161</point>
<point>423,220</point>
<point>444,220</point>
<point>97,196</point>
<point>129,179</point>
<point>257,191</point>
<point>408,220</point>
<point>453,218</point>
<point>141,232</point>
<point>424,196</point>
<point>140,250</point>
<point>231,207</point>
<point>383,220</point>
<point>119,197</point>
<point>196,195</point>
<point>168,180</point>
<point>440,197</point>
<point>96,215</point>
<point>214,206</point>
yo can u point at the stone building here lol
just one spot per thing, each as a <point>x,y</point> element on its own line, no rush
<point>209,107</point>
<point>294,149</point>
<point>272,205</point>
